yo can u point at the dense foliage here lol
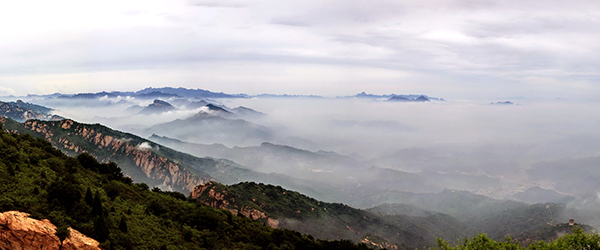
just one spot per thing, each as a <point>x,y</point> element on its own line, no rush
<point>577,240</point>
<point>96,199</point>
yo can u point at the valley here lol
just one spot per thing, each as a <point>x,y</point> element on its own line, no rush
<point>363,168</point>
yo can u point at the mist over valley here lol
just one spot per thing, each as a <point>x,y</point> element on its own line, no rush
<point>474,161</point>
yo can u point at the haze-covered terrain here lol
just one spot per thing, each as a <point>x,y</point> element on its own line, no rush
<point>495,150</point>
<point>476,161</point>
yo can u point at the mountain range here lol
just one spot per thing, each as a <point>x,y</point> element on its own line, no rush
<point>269,177</point>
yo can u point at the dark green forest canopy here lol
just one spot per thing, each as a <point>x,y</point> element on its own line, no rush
<point>99,201</point>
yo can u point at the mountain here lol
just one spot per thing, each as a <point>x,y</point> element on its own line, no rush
<point>579,177</point>
<point>210,127</point>
<point>22,111</point>
<point>183,103</point>
<point>496,218</point>
<point>154,164</point>
<point>502,103</point>
<point>157,107</point>
<point>286,96</point>
<point>140,159</point>
<point>462,205</point>
<point>346,173</point>
<point>405,209</point>
<point>287,209</point>
<point>61,192</point>
<point>216,110</point>
<point>189,93</point>
<point>245,112</point>
<point>528,222</point>
<point>401,98</point>
<point>147,93</point>
<point>539,195</point>
<point>267,157</point>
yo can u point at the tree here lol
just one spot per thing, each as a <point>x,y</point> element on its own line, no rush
<point>123,224</point>
<point>88,161</point>
<point>97,206</point>
<point>89,197</point>
<point>11,170</point>
<point>65,192</point>
<point>101,230</point>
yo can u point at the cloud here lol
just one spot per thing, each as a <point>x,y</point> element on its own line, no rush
<point>441,45</point>
<point>144,146</point>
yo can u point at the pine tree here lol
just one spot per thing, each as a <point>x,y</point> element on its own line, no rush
<point>11,170</point>
<point>123,224</point>
<point>97,206</point>
<point>101,230</point>
<point>89,197</point>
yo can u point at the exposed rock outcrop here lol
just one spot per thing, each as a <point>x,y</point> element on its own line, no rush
<point>19,232</point>
<point>153,166</point>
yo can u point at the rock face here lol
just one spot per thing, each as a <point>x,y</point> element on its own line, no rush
<point>19,232</point>
<point>207,194</point>
<point>135,158</point>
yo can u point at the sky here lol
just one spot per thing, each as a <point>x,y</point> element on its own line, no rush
<point>463,49</point>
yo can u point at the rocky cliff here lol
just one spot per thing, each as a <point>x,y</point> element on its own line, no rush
<point>18,231</point>
<point>137,157</point>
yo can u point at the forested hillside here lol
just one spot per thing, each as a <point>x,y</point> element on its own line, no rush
<point>296,211</point>
<point>99,201</point>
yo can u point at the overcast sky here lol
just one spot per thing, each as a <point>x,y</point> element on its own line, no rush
<point>451,49</point>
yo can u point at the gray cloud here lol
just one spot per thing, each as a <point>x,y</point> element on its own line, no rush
<point>434,45</point>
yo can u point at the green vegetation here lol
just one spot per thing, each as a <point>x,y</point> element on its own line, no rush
<point>336,221</point>
<point>574,241</point>
<point>96,199</point>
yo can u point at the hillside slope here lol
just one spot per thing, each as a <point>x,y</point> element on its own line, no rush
<point>98,201</point>
<point>287,209</point>
<point>152,163</point>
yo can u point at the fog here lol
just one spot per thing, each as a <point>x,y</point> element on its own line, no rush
<point>372,128</point>
<point>496,150</point>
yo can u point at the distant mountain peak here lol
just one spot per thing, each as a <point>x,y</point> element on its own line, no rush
<point>157,107</point>
<point>158,102</point>
<point>216,108</point>
<point>247,112</point>
<point>400,98</point>
<point>502,103</point>
<point>189,93</point>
